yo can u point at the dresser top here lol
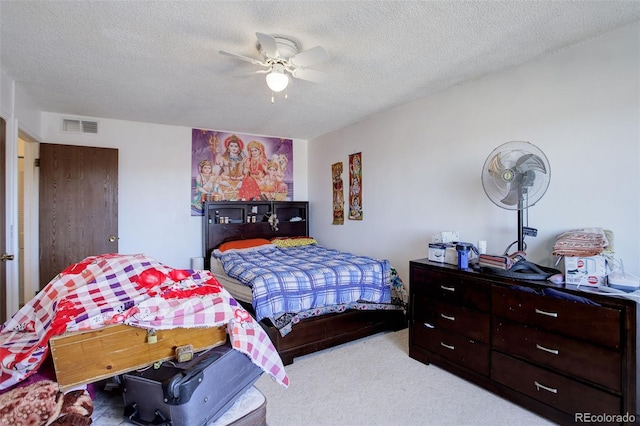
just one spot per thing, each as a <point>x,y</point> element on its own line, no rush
<point>475,272</point>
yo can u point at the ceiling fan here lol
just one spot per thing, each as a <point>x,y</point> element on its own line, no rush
<point>281,58</point>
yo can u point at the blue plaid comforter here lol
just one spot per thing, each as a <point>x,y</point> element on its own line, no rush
<point>294,279</point>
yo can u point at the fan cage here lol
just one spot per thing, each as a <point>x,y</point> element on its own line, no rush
<point>501,174</point>
<point>515,176</point>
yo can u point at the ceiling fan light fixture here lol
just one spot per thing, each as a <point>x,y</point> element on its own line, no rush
<point>277,80</point>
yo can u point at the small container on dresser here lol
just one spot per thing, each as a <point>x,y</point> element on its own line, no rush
<point>565,354</point>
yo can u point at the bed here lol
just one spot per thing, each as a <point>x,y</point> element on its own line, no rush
<point>297,332</point>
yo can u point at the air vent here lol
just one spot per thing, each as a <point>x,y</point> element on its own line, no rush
<point>79,126</point>
<point>90,127</point>
<point>70,125</point>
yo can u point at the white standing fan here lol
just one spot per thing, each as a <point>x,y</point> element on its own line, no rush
<point>515,176</point>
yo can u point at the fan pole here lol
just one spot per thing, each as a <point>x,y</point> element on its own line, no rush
<point>520,226</point>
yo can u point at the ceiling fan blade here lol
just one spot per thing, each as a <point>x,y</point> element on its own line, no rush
<point>310,75</point>
<point>268,45</point>
<point>309,57</point>
<point>250,74</point>
<point>244,58</point>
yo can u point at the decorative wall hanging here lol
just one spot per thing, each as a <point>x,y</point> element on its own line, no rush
<point>338,194</point>
<point>239,167</point>
<point>355,186</point>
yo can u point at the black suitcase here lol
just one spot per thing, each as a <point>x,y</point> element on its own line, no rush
<point>191,393</point>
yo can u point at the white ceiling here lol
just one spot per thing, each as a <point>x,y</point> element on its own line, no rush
<point>158,62</point>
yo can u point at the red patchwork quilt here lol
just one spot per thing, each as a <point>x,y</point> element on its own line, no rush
<point>136,290</point>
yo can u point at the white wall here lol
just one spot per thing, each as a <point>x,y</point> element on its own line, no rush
<point>6,96</point>
<point>22,115</point>
<point>422,162</point>
<point>154,179</point>
<point>16,103</point>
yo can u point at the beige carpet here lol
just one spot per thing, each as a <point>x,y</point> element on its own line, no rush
<point>374,382</point>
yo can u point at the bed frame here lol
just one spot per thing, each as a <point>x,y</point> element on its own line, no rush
<point>311,334</point>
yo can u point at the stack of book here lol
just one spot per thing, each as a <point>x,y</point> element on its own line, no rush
<point>504,262</point>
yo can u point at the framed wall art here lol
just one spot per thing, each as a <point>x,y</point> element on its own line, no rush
<point>355,186</point>
<point>338,194</point>
<point>228,166</point>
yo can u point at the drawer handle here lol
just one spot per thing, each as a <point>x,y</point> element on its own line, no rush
<point>447,317</point>
<point>548,389</point>
<point>549,314</point>
<point>426,324</point>
<point>447,346</point>
<point>448,288</point>
<point>551,351</point>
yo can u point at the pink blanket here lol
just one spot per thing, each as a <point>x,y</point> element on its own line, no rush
<point>130,289</point>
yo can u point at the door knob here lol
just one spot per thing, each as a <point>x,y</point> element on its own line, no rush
<point>112,238</point>
<point>6,257</point>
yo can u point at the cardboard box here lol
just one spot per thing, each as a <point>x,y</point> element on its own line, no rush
<point>436,252</point>
<point>585,270</point>
<point>446,237</point>
<point>451,255</point>
<point>88,356</point>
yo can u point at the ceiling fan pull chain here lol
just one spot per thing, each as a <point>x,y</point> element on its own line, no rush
<point>272,99</point>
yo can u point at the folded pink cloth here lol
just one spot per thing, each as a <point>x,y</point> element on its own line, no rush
<point>581,242</point>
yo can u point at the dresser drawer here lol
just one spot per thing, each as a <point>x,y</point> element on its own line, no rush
<point>473,324</point>
<point>452,288</point>
<point>552,389</point>
<point>567,355</point>
<point>596,324</point>
<point>458,349</point>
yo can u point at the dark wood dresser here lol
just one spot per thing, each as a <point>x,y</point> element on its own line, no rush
<point>565,354</point>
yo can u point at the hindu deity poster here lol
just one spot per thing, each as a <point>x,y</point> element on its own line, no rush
<point>355,186</point>
<point>338,194</point>
<point>227,166</point>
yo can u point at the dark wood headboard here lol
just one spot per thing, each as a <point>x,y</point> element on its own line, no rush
<point>241,228</point>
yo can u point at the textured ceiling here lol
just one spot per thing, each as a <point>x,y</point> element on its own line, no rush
<point>158,62</point>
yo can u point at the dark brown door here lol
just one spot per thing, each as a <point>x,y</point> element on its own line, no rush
<point>3,220</point>
<point>78,205</point>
